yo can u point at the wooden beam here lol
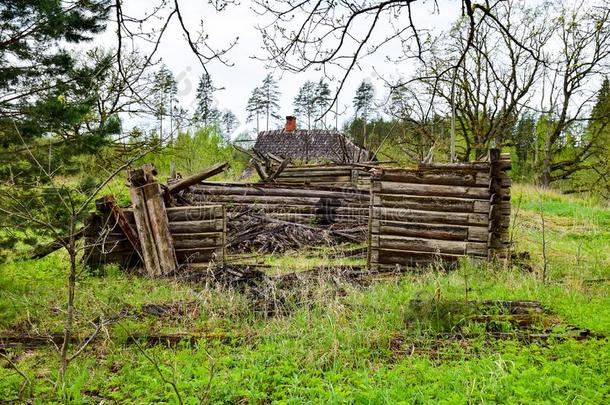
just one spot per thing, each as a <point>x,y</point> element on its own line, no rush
<point>196,178</point>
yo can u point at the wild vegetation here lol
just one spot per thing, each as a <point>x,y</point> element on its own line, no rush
<point>309,325</point>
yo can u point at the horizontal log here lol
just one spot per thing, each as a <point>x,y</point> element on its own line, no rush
<point>196,226</point>
<point>429,217</point>
<point>220,189</point>
<point>431,177</point>
<point>434,231</point>
<point>315,173</point>
<point>315,179</point>
<point>303,209</point>
<point>387,187</point>
<point>418,244</point>
<point>194,213</point>
<point>389,256</point>
<point>429,203</point>
<point>262,200</point>
<point>199,240</point>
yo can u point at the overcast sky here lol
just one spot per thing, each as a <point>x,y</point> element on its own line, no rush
<point>239,80</point>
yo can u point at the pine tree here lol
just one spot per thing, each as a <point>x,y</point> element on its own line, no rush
<point>206,112</point>
<point>305,102</point>
<point>228,123</point>
<point>322,100</point>
<point>255,107</point>
<point>165,89</point>
<point>364,99</point>
<point>270,96</point>
<point>363,106</point>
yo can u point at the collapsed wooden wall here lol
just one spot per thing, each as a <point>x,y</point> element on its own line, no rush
<point>347,176</point>
<point>439,212</point>
<point>198,235</point>
<point>346,208</point>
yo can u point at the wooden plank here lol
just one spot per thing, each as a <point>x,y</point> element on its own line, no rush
<point>316,179</point>
<point>194,213</point>
<point>434,190</point>
<point>430,217</point>
<point>160,228</point>
<point>428,231</point>
<point>144,229</point>
<point>266,190</point>
<point>211,240</point>
<point>197,226</point>
<point>431,203</point>
<point>414,244</point>
<point>389,256</point>
<point>182,184</point>
<point>454,178</point>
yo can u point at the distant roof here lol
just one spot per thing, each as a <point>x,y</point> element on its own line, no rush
<point>310,145</point>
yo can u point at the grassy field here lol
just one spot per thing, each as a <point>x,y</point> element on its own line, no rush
<point>328,339</point>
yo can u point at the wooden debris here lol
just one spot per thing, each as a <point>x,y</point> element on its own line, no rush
<point>185,183</point>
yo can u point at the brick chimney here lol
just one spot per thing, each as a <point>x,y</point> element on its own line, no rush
<point>291,123</point>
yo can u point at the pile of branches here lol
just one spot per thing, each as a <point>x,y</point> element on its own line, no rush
<point>250,231</point>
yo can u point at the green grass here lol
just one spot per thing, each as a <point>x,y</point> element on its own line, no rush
<point>334,341</point>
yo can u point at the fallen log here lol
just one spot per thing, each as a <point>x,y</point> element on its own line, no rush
<point>196,178</point>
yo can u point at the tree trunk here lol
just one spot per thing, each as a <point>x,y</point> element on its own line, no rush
<point>63,361</point>
<point>545,180</point>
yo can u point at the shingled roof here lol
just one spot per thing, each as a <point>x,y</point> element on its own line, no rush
<point>310,145</point>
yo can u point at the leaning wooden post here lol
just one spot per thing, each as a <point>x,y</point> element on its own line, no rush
<point>494,239</point>
<point>151,222</point>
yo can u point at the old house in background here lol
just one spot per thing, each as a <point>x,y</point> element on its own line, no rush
<point>309,145</point>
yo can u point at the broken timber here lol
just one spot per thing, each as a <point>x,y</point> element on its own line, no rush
<point>151,222</point>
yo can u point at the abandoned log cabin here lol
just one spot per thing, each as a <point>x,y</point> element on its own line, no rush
<point>408,217</point>
<point>309,145</point>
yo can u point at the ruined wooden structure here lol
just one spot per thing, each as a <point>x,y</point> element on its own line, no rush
<point>439,212</point>
<point>343,176</point>
<point>407,216</point>
<point>302,204</point>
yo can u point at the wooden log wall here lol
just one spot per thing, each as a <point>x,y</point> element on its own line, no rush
<point>294,203</point>
<point>198,235</point>
<point>326,175</point>
<point>439,212</point>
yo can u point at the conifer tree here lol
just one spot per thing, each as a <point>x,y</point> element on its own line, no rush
<point>270,98</point>
<point>305,105</point>
<point>165,89</point>
<point>206,112</point>
<point>255,107</point>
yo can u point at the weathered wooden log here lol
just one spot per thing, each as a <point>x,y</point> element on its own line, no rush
<point>213,225</point>
<point>429,217</point>
<point>433,190</point>
<point>182,184</point>
<point>144,229</point>
<point>416,244</point>
<point>109,204</point>
<point>389,256</point>
<point>430,177</point>
<point>275,200</point>
<point>268,190</point>
<point>434,231</point>
<point>347,179</point>
<point>198,240</point>
<point>429,203</point>
<point>194,213</point>
<point>160,228</point>
<point>288,172</point>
